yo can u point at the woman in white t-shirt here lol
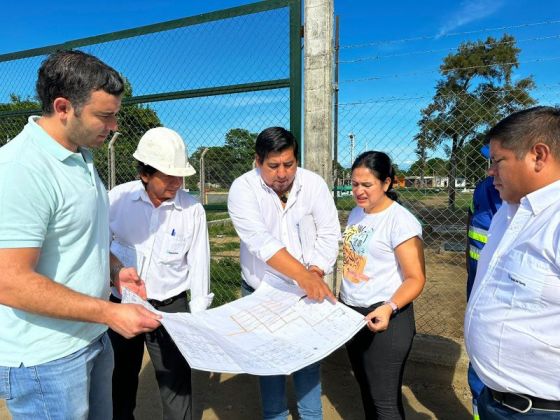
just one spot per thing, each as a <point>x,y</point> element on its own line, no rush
<point>383,273</point>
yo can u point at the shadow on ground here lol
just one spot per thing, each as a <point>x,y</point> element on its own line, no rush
<point>431,390</point>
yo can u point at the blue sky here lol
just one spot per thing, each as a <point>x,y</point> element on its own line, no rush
<point>390,51</point>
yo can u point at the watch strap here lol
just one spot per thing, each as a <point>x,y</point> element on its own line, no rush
<point>393,306</point>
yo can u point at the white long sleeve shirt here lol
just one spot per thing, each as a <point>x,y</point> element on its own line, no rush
<point>513,315</point>
<point>168,244</point>
<point>307,226</point>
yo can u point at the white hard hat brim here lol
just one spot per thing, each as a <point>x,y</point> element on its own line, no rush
<point>187,170</point>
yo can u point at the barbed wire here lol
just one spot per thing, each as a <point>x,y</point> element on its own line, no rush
<point>417,73</point>
<point>548,87</point>
<point>385,100</point>
<point>380,57</point>
<point>451,34</point>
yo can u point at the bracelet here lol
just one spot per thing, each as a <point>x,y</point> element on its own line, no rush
<point>114,270</point>
<point>393,305</point>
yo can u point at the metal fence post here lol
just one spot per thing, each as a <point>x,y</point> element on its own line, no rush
<point>203,199</point>
<point>111,160</point>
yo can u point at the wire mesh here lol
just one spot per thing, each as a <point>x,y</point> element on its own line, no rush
<point>179,77</point>
<point>218,82</point>
<point>424,187</point>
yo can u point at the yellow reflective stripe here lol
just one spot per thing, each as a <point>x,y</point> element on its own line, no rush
<point>475,412</point>
<point>478,234</point>
<point>474,253</point>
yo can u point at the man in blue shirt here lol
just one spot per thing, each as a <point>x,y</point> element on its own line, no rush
<point>56,360</point>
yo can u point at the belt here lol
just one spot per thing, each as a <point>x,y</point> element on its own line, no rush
<point>159,303</point>
<point>523,403</point>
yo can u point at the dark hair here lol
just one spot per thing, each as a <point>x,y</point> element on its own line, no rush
<point>523,129</point>
<point>144,169</point>
<point>274,139</point>
<point>74,75</point>
<point>380,166</point>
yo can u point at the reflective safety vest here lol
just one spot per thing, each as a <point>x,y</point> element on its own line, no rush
<point>485,203</point>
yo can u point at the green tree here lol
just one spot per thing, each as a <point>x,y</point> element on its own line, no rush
<point>14,115</point>
<point>476,91</point>
<point>431,167</point>
<point>470,162</point>
<point>222,164</point>
<point>240,148</point>
<point>421,152</point>
<point>340,173</point>
<point>134,120</point>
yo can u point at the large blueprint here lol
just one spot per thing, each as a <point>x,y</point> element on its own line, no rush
<point>274,331</point>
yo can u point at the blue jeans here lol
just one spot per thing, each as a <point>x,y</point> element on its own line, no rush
<point>77,386</point>
<point>307,384</point>
<point>489,409</point>
<point>476,387</point>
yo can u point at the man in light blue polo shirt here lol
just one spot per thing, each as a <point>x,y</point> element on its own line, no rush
<point>55,358</point>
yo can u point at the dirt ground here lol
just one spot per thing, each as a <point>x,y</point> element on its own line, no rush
<point>435,377</point>
<point>431,390</point>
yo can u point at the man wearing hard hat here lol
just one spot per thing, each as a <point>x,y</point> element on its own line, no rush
<point>159,235</point>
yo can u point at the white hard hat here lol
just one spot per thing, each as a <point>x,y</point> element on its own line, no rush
<point>164,150</point>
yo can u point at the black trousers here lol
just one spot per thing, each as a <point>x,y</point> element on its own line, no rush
<point>173,373</point>
<point>378,360</point>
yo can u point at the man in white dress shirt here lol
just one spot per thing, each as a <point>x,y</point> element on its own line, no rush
<point>288,225</point>
<point>159,234</point>
<point>512,318</point>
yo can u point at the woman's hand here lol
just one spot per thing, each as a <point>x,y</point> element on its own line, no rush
<point>378,319</point>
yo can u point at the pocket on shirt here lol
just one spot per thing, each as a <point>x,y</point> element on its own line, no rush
<point>174,248</point>
<point>534,286</point>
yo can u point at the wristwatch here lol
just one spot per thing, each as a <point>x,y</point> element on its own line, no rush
<point>393,306</point>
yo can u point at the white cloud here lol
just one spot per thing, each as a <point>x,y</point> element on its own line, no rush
<point>470,11</point>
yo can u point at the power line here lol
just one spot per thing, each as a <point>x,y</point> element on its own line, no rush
<point>421,38</point>
<point>383,100</point>
<point>380,57</point>
<point>416,73</point>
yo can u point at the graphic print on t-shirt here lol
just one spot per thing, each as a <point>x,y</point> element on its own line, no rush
<point>355,250</point>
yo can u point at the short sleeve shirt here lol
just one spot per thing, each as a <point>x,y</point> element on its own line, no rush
<point>52,199</point>
<point>371,271</point>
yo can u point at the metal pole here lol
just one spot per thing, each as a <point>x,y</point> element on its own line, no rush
<point>335,122</point>
<point>335,137</point>
<point>296,34</point>
<point>203,199</point>
<point>111,161</point>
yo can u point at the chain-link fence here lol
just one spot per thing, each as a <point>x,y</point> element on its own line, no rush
<point>435,140</point>
<point>218,79</point>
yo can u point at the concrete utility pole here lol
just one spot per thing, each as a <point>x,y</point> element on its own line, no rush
<point>318,87</point>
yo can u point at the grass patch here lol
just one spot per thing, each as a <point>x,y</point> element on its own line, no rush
<point>225,280</point>
<point>216,215</point>
<point>226,246</point>
<point>429,197</point>
<point>226,229</point>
